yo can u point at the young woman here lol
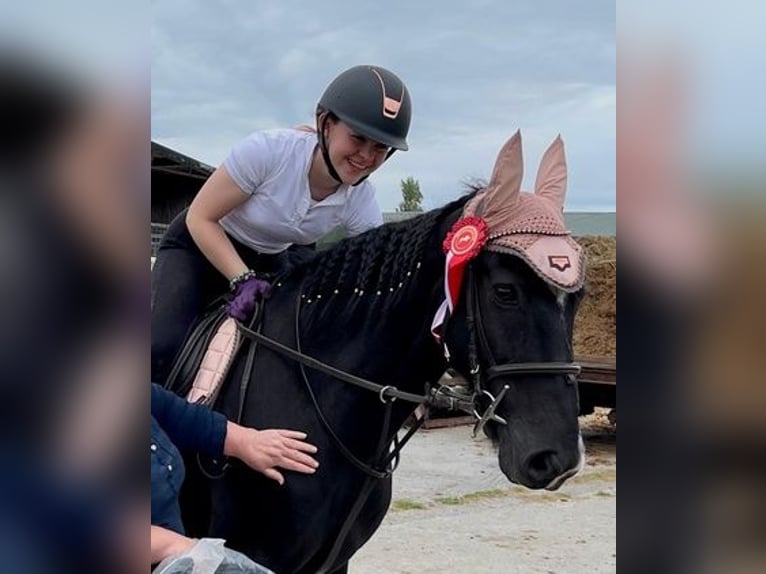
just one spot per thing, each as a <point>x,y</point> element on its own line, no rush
<point>276,189</point>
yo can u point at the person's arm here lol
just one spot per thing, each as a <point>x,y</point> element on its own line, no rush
<point>191,426</point>
<point>218,196</point>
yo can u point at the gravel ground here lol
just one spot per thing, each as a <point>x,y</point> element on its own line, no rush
<point>454,511</point>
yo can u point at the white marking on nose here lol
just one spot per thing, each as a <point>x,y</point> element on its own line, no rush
<point>559,480</point>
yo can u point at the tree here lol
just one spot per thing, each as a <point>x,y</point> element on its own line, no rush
<point>411,195</point>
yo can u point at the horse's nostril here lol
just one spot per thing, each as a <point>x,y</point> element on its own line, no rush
<point>543,466</point>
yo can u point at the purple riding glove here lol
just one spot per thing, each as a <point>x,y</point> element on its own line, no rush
<point>245,296</point>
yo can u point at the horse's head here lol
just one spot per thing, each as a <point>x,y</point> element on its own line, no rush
<point>510,330</point>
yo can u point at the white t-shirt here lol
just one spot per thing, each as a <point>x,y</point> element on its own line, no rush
<point>272,167</point>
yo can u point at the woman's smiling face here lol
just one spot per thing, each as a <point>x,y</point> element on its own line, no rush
<point>353,155</point>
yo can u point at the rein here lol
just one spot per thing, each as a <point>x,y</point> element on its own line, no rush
<point>383,391</point>
<point>443,396</point>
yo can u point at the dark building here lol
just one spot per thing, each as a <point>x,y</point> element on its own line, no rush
<point>176,178</point>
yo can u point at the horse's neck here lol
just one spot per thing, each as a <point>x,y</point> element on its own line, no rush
<point>419,357</point>
<point>427,293</point>
<point>395,342</point>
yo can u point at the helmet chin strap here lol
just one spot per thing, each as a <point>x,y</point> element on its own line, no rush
<point>326,155</point>
<point>326,152</point>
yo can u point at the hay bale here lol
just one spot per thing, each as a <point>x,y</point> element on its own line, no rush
<point>595,330</point>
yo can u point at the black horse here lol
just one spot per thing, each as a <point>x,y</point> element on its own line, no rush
<point>366,307</point>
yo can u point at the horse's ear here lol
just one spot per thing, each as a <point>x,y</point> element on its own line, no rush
<point>505,184</point>
<point>551,179</point>
<point>509,166</point>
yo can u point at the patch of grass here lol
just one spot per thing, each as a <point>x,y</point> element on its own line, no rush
<point>407,504</point>
<point>450,500</point>
<point>472,497</point>
<point>404,504</point>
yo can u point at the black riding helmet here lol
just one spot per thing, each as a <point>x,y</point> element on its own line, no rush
<point>373,102</point>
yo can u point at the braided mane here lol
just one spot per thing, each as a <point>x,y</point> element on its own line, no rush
<point>380,259</point>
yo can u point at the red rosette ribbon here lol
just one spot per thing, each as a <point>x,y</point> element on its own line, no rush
<point>464,242</point>
<point>466,238</point>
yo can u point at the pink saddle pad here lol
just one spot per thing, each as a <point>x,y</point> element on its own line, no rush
<point>215,363</point>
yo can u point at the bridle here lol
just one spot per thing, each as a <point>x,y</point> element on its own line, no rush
<point>476,330</point>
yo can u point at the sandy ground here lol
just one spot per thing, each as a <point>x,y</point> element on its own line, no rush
<point>453,511</point>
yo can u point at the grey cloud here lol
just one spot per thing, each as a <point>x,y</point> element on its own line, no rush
<point>222,70</point>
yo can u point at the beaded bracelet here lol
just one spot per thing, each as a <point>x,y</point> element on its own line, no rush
<point>244,276</point>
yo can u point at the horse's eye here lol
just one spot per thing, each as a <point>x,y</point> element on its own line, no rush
<point>506,294</point>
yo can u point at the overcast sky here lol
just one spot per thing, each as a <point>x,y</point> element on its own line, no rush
<point>476,72</point>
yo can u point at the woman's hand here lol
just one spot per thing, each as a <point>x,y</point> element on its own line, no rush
<point>266,450</point>
<point>247,293</point>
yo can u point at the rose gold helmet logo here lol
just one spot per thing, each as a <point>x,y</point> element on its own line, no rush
<point>391,106</point>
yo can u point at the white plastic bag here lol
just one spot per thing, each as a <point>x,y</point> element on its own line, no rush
<point>210,556</point>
